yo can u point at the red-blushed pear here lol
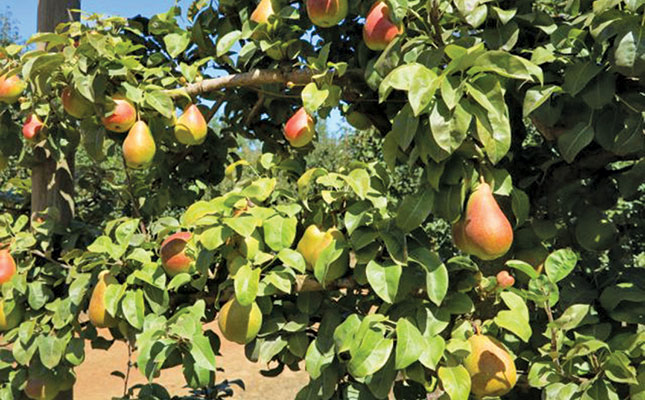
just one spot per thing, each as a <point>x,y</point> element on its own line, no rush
<point>11,88</point>
<point>42,388</point>
<point>191,127</point>
<point>299,129</point>
<point>121,117</point>
<point>262,12</point>
<point>99,317</point>
<point>326,13</point>
<point>504,279</point>
<point>75,104</point>
<point>484,230</point>
<point>173,253</point>
<point>7,266</point>
<point>379,30</point>
<point>490,366</point>
<point>32,127</point>
<point>139,146</point>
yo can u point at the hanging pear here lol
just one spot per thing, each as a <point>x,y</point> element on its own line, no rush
<point>139,146</point>
<point>99,317</point>
<point>191,127</point>
<point>491,368</point>
<point>483,230</point>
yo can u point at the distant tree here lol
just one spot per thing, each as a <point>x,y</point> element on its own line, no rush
<point>8,29</point>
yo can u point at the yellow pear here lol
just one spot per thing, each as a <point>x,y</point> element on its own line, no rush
<point>312,244</point>
<point>238,323</point>
<point>99,317</point>
<point>191,127</point>
<point>139,146</point>
<point>491,368</point>
<point>10,314</point>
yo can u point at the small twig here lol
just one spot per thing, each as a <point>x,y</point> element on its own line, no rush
<point>554,338</point>
<point>435,16</point>
<point>214,109</point>
<point>255,110</point>
<point>135,206</point>
<point>42,255</point>
<point>127,372</point>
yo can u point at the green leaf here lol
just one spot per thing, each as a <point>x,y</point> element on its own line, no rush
<point>436,273</point>
<point>50,349</point>
<point>520,205</point>
<point>506,65</point>
<point>449,129</point>
<point>572,317</point>
<point>414,209</point>
<point>202,352</point>
<point>134,308</point>
<point>524,267</point>
<point>227,41</point>
<point>370,351</point>
<point>574,140</point>
<point>420,95</point>
<point>409,343</point>
<point>316,360</point>
<point>404,127</point>
<point>176,43</point>
<point>279,232</point>
<point>384,279</point>
<point>455,381</point>
<point>536,96</point>
<point>313,98</point>
<point>578,75</point>
<point>293,259</point>
<point>517,319</point>
<point>260,189</point>
<point>214,237</point>
<point>618,369</point>
<point>179,280</point>
<point>559,264</point>
<point>359,181</point>
<point>243,224</point>
<point>600,390</point>
<point>434,348</point>
<point>161,102</point>
<point>629,53</point>
<point>247,280</point>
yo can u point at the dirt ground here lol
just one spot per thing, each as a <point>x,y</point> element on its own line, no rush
<point>94,381</point>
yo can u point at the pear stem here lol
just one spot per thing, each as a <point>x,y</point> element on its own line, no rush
<point>127,371</point>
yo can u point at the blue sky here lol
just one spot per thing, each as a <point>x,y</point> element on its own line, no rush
<point>24,11</point>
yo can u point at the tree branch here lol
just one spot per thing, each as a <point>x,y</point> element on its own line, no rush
<point>252,78</point>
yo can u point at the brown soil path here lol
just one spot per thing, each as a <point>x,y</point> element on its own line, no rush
<point>94,381</point>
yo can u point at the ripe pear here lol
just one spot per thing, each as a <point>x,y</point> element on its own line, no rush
<point>11,88</point>
<point>299,129</point>
<point>379,30</point>
<point>99,317</point>
<point>238,323</point>
<point>42,388</point>
<point>10,314</point>
<point>7,266</point>
<point>121,117</point>
<point>326,13</point>
<point>139,146</point>
<point>483,230</point>
<point>491,368</point>
<point>75,104</point>
<point>312,244</point>
<point>173,255</point>
<point>191,127</point>
<point>262,12</point>
<point>32,127</point>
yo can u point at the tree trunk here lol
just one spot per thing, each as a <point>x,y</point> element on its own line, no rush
<point>52,181</point>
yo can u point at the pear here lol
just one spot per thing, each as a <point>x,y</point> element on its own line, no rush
<point>139,146</point>
<point>262,12</point>
<point>10,314</point>
<point>312,244</point>
<point>75,104</point>
<point>173,255</point>
<point>42,388</point>
<point>32,127</point>
<point>504,279</point>
<point>326,13</point>
<point>11,88</point>
<point>491,368</point>
<point>121,117</point>
<point>379,29</point>
<point>300,128</point>
<point>238,323</point>
<point>7,266</point>
<point>99,317</point>
<point>483,230</point>
<point>191,127</point>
